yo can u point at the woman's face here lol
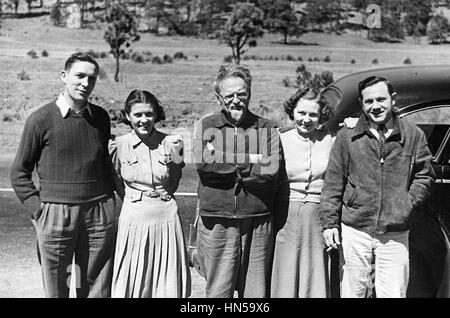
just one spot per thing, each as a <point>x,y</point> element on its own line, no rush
<point>142,118</point>
<point>306,116</point>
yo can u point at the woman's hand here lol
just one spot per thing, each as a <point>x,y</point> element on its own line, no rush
<point>349,122</point>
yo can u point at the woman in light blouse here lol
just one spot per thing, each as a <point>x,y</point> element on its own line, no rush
<point>151,258</point>
<point>300,261</point>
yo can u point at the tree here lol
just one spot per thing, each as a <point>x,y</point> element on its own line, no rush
<point>417,14</point>
<point>437,29</point>
<point>121,30</point>
<point>279,17</point>
<point>243,27</point>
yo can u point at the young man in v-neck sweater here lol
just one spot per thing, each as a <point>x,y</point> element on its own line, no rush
<point>73,207</point>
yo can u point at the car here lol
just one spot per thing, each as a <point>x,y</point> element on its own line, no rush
<point>423,97</point>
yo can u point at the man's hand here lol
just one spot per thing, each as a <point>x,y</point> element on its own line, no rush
<point>331,237</point>
<point>34,206</point>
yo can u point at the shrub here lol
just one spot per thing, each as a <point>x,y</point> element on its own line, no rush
<point>310,59</point>
<point>196,56</point>
<point>316,59</point>
<point>407,61</point>
<point>44,53</point>
<point>32,54</point>
<point>227,59</point>
<point>327,59</point>
<point>286,82</point>
<point>352,61</point>
<point>156,60</point>
<point>290,58</point>
<point>375,61</point>
<point>179,55</point>
<point>55,14</point>
<point>23,76</point>
<point>300,59</point>
<point>167,58</point>
<point>137,57</point>
<point>102,74</point>
<point>103,54</point>
<point>306,79</point>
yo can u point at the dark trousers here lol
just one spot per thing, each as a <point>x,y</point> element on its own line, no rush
<point>86,231</point>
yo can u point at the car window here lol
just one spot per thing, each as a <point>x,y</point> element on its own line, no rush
<point>435,122</point>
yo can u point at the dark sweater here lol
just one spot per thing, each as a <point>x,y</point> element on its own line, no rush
<point>70,154</point>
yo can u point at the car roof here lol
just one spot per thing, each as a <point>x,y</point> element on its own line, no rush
<point>415,85</point>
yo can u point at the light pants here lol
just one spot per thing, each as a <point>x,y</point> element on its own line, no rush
<point>236,255</point>
<point>391,263</point>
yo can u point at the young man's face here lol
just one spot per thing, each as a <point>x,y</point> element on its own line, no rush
<point>79,81</point>
<point>234,97</point>
<point>377,103</point>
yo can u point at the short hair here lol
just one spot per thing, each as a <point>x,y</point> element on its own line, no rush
<point>80,57</point>
<point>140,96</point>
<point>230,70</point>
<point>309,94</point>
<point>372,80</point>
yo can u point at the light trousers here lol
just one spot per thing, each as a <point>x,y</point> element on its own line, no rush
<point>391,263</point>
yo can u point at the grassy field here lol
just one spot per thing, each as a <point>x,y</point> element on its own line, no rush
<point>184,87</point>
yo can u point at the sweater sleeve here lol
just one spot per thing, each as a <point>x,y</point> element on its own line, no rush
<point>27,156</point>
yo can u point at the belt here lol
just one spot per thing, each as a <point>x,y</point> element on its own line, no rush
<point>136,195</point>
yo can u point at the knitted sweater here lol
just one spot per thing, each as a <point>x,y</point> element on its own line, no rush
<point>306,162</point>
<point>70,154</point>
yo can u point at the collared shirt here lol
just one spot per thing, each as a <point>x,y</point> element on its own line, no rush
<point>64,106</point>
<point>363,127</point>
<point>389,127</point>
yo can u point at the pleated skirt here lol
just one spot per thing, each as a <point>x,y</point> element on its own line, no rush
<point>150,259</point>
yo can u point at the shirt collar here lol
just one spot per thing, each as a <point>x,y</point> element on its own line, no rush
<point>362,127</point>
<point>153,141</point>
<point>250,119</point>
<point>64,106</point>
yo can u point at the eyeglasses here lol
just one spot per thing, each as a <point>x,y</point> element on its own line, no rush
<point>230,97</point>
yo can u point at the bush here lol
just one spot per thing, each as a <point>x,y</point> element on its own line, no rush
<point>179,55</point>
<point>44,53</point>
<point>156,60</point>
<point>352,61</point>
<point>32,54</point>
<point>137,57</point>
<point>300,59</point>
<point>227,59</point>
<point>23,76</point>
<point>316,59</point>
<point>407,61</point>
<point>327,59</point>
<point>167,58</point>
<point>310,59</point>
<point>55,14</point>
<point>375,61</point>
<point>103,55</point>
<point>290,58</point>
<point>286,82</point>
<point>102,74</point>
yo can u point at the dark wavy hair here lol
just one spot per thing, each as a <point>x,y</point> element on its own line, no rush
<point>139,96</point>
<point>310,94</point>
<point>80,57</point>
<point>372,80</point>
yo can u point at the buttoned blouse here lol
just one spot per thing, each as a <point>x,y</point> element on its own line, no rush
<point>306,162</point>
<point>153,165</point>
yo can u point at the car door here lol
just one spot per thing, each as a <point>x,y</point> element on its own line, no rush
<point>429,234</point>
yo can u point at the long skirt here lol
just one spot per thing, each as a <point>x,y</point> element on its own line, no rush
<point>150,259</point>
<point>300,262</point>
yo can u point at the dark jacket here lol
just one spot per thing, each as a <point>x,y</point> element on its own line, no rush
<point>369,194</point>
<point>230,185</point>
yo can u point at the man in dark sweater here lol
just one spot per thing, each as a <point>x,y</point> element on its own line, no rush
<point>73,206</point>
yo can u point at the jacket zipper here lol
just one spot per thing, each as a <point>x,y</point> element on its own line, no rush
<point>382,155</point>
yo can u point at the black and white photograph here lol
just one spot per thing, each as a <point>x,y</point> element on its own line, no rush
<point>245,151</point>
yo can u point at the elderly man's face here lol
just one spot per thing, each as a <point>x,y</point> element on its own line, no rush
<point>234,97</point>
